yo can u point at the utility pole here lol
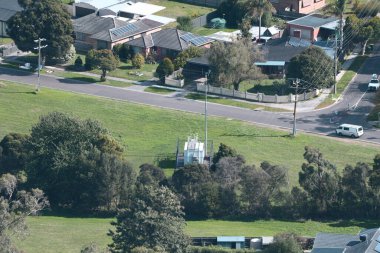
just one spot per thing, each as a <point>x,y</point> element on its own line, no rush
<point>335,60</point>
<point>39,60</point>
<point>296,83</point>
<point>206,86</point>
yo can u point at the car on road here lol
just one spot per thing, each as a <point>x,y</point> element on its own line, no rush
<point>374,84</point>
<point>353,131</point>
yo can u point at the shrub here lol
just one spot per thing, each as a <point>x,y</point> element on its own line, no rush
<point>184,23</point>
<point>138,61</point>
<point>165,68</point>
<point>213,249</point>
<point>78,62</point>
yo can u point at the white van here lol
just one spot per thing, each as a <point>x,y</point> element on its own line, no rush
<point>353,131</point>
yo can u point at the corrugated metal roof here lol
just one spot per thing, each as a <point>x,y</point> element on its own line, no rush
<point>313,20</point>
<point>230,239</point>
<point>8,8</point>
<point>270,63</point>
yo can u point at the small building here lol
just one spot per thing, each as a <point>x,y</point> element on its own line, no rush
<point>313,27</point>
<point>231,242</point>
<point>8,8</point>
<point>298,6</point>
<point>194,150</point>
<point>168,42</point>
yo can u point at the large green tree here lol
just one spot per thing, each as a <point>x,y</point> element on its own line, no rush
<point>77,163</point>
<point>13,153</point>
<point>233,63</point>
<point>46,19</point>
<point>338,8</point>
<point>259,8</point>
<point>153,219</point>
<point>313,66</point>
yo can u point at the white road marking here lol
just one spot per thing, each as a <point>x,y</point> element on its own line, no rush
<point>357,103</point>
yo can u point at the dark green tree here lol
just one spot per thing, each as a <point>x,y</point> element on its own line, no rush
<point>224,151</point>
<point>257,8</point>
<point>151,175</point>
<point>233,11</point>
<point>153,219</point>
<point>184,56</point>
<point>165,68</point>
<point>67,160</point>
<point>106,61</point>
<point>313,66</point>
<point>284,243</point>
<point>46,19</point>
<point>184,23</point>
<point>319,178</point>
<point>13,153</point>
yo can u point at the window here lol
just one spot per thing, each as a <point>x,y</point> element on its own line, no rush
<point>346,129</point>
<point>80,36</point>
<point>102,44</point>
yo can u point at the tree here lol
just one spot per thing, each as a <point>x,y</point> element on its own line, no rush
<point>123,51</point>
<point>42,19</point>
<point>364,34</point>
<point>259,8</point>
<point>15,207</point>
<point>106,61</point>
<point>355,189</point>
<point>184,23</point>
<point>78,62</point>
<point>313,66</point>
<point>138,61</point>
<point>153,219</point>
<point>165,68</point>
<point>13,153</point>
<point>319,178</point>
<point>185,55</point>
<point>224,151</point>
<point>233,11</point>
<point>188,182</point>
<point>233,63</point>
<point>338,8</point>
<point>151,175</point>
<point>284,243</point>
<point>75,162</point>
<point>351,27</point>
<point>227,171</point>
<point>245,26</point>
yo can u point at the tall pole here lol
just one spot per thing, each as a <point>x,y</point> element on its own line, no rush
<point>206,85</point>
<point>39,61</point>
<point>295,108</point>
<point>335,61</point>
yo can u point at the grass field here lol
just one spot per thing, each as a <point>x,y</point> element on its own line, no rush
<point>175,9</point>
<point>50,234</point>
<point>147,132</point>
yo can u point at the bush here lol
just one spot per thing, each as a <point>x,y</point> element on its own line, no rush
<point>165,68</point>
<point>138,61</point>
<point>78,62</point>
<point>184,23</point>
<point>103,78</point>
<point>90,60</point>
<point>123,51</point>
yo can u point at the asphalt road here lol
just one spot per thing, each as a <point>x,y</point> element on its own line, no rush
<point>319,122</point>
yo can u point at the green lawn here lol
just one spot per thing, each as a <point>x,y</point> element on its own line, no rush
<point>265,86</point>
<point>158,90</point>
<point>147,132</point>
<point>4,41</point>
<point>50,234</point>
<point>175,9</point>
<point>207,31</point>
<point>229,101</point>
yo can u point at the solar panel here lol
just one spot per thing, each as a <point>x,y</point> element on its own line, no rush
<point>124,29</point>
<point>188,36</point>
<point>377,248</point>
<point>200,41</point>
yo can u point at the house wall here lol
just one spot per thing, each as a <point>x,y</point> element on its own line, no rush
<point>299,6</point>
<point>307,33</point>
<point>3,29</point>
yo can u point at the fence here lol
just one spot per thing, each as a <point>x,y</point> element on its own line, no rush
<point>4,51</point>
<point>257,97</point>
<point>209,3</point>
<point>204,19</point>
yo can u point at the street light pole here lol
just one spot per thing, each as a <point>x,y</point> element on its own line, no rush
<point>335,61</point>
<point>206,86</point>
<point>295,108</point>
<point>39,60</point>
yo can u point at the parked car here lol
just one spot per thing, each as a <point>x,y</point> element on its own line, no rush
<point>353,131</point>
<point>374,83</point>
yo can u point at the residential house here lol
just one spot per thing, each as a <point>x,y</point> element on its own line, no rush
<point>122,8</point>
<point>277,55</point>
<point>312,27</point>
<point>168,42</point>
<point>103,32</point>
<point>367,241</point>
<point>8,8</point>
<point>298,6</point>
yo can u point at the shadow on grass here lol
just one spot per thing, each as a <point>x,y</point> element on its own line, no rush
<point>259,136</point>
<point>357,223</point>
<point>166,161</point>
<point>19,92</point>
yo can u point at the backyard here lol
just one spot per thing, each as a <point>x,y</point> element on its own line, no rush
<point>175,9</point>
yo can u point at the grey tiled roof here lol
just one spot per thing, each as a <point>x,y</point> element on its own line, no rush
<point>281,52</point>
<point>167,38</point>
<point>93,24</point>
<point>328,240</point>
<point>8,8</point>
<point>314,20</point>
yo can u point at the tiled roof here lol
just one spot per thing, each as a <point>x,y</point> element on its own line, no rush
<point>8,8</point>
<point>93,24</point>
